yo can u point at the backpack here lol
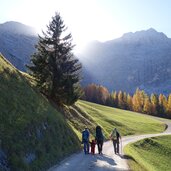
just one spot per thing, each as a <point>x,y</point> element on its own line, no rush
<point>85,136</point>
<point>99,135</point>
<point>115,135</point>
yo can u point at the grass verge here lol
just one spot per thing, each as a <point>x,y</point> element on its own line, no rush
<point>150,154</point>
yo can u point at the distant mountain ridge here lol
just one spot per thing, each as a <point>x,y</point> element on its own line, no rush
<point>17,43</point>
<point>17,28</point>
<point>150,33</point>
<point>140,59</point>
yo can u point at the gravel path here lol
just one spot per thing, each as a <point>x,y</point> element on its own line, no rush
<point>108,160</point>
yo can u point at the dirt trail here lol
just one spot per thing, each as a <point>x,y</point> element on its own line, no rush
<point>106,162</point>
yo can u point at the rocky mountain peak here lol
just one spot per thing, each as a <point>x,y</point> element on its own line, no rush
<point>140,59</point>
<point>145,36</point>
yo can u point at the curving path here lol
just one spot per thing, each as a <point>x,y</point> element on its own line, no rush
<point>106,162</point>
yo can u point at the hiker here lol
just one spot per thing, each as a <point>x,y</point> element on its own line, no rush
<point>99,139</point>
<point>115,136</point>
<point>85,140</point>
<point>93,145</point>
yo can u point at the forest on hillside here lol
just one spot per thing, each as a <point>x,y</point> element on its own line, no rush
<point>140,101</point>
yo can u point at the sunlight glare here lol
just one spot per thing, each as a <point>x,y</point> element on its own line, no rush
<point>85,20</point>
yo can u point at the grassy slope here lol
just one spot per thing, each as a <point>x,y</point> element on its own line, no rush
<point>89,114</point>
<point>127,122</point>
<point>151,154</point>
<point>33,135</point>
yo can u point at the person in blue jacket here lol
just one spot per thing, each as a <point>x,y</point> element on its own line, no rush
<point>85,140</point>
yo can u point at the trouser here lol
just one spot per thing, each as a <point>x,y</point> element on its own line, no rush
<point>86,147</point>
<point>100,146</point>
<point>92,149</point>
<point>116,146</point>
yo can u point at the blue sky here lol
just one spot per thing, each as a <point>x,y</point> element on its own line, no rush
<point>92,19</point>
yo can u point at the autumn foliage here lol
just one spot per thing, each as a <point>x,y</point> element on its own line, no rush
<point>96,93</point>
<point>157,105</point>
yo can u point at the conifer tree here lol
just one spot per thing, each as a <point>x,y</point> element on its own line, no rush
<point>125,101</point>
<point>56,70</point>
<point>115,98</point>
<point>129,102</point>
<point>165,103</point>
<point>110,101</point>
<point>155,104</point>
<point>135,103</point>
<point>169,106</point>
<point>138,100</point>
<point>162,105</point>
<point>120,100</point>
<point>147,108</point>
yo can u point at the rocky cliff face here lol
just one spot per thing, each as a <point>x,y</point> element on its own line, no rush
<point>140,59</point>
<point>17,43</point>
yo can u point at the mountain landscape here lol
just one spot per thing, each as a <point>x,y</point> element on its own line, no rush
<point>35,136</point>
<point>85,85</point>
<point>39,128</point>
<point>140,59</point>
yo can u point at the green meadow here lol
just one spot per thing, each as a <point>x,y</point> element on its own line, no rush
<point>31,126</point>
<point>127,122</point>
<point>150,154</point>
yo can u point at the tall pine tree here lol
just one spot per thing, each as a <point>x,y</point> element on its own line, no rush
<point>169,106</point>
<point>155,104</point>
<point>54,66</point>
<point>147,108</point>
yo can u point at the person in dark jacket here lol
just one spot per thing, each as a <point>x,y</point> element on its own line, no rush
<point>99,139</point>
<point>85,140</point>
<point>115,137</point>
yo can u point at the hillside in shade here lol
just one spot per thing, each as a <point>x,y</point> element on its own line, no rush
<point>17,43</point>
<point>33,134</point>
<point>140,59</point>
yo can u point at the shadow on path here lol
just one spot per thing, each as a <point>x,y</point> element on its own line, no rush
<point>106,159</point>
